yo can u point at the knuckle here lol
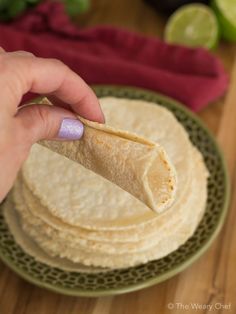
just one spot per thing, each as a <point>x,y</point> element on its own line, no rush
<point>6,60</point>
<point>42,114</point>
<point>24,53</point>
<point>56,62</point>
<point>59,64</point>
<point>12,72</point>
<point>34,123</point>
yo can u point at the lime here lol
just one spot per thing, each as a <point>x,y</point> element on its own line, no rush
<point>16,8</point>
<point>193,25</point>
<point>226,13</point>
<point>3,4</point>
<point>75,7</point>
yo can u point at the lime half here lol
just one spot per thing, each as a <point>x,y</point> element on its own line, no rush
<point>226,14</point>
<point>193,25</point>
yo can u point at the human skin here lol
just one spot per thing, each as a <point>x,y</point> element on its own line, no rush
<point>22,126</point>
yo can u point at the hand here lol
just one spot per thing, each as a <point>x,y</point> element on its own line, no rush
<point>20,127</point>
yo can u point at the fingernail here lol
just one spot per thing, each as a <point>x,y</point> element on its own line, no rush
<point>71,129</point>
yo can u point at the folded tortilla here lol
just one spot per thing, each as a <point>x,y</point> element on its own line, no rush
<point>135,164</point>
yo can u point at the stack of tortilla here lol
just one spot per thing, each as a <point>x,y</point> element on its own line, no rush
<point>65,215</point>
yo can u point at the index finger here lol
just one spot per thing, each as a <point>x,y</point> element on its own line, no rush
<point>20,74</point>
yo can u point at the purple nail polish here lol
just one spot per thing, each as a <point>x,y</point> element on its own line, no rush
<point>71,129</point>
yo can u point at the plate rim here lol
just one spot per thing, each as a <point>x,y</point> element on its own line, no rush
<point>169,273</point>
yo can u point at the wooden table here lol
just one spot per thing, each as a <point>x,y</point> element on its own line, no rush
<point>210,280</point>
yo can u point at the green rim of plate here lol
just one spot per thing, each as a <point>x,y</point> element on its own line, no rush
<point>135,278</point>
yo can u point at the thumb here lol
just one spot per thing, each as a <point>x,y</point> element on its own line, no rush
<point>48,122</point>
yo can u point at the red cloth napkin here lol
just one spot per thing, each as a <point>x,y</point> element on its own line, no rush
<point>107,55</point>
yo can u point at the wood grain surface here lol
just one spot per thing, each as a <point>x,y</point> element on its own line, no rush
<point>209,281</point>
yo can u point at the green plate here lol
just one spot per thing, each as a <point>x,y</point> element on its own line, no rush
<point>135,278</point>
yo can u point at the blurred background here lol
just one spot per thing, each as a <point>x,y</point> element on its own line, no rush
<point>207,24</point>
<point>147,16</point>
